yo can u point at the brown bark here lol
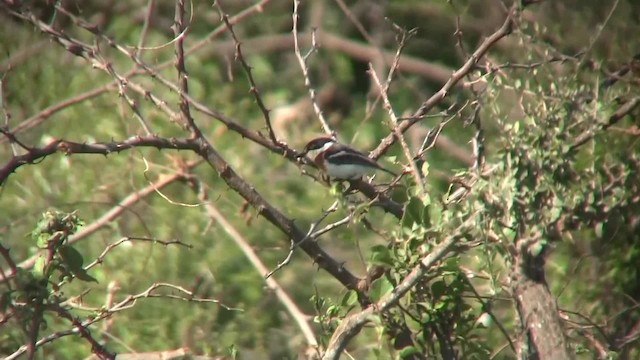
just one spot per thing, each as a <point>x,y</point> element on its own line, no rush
<point>537,307</point>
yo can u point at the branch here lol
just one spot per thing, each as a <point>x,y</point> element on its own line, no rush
<point>302,61</point>
<point>384,201</point>
<point>85,50</point>
<point>247,69</point>
<point>46,113</point>
<point>311,235</point>
<point>435,99</point>
<point>116,211</point>
<point>275,217</point>
<point>69,147</point>
<point>351,325</point>
<point>179,30</point>
<point>299,317</point>
<point>127,303</point>
<point>394,121</point>
<point>96,348</point>
<point>623,111</point>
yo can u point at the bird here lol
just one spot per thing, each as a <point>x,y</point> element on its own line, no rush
<point>340,161</point>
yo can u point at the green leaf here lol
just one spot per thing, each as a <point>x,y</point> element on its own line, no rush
<point>380,288</point>
<point>71,257</point>
<point>441,304</point>
<point>233,351</point>
<point>536,249</point>
<point>425,169</point>
<point>333,310</point>
<point>72,261</point>
<point>39,267</point>
<point>350,298</point>
<point>451,265</point>
<point>83,275</point>
<point>412,324</point>
<point>412,212</point>
<point>380,254</point>
<point>408,351</point>
<point>42,240</point>
<point>438,288</point>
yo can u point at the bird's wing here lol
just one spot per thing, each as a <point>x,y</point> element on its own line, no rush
<point>342,154</point>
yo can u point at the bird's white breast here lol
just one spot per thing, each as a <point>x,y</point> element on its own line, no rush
<point>347,171</point>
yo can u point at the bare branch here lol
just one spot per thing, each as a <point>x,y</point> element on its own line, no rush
<point>394,122</point>
<point>308,236</point>
<point>302,61</point>
<point>179,30</point>
<point>254,87</point>
<point>116,211</point>
<point>435,99</point>
<point>299,317</point>
<point>125,304</point>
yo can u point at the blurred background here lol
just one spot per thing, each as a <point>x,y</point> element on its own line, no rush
<point>50,93</point>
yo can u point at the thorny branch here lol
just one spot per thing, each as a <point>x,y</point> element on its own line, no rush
<point>302,61</point>
<point>254,87</point>
<point>309,236</point>
<point>435,99</point>
<point>297,314</point>
<point>125,304</point>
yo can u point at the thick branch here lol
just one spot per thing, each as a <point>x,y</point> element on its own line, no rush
<point>537,306</point>
<point>203,148</point>
<point>286,225</point>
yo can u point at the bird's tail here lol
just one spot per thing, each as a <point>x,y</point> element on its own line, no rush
<point>388,171</point>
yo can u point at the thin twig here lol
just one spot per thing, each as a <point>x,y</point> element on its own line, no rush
<point>101,257</point>
<point>247,69</point>
<point>302,60</point>
<point>299,317</point>
<point>48,112</point>
<point>469,65</point>
<point>96,348</point>
<point>179,30</point>
<point>151,5</point>
<point>127,303</point>
<point>295,244</point>
<point>126,203</point>
<point>394,125</point>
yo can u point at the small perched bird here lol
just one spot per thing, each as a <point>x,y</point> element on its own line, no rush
<point>340,161</point>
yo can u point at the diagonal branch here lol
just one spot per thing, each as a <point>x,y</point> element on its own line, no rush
<point>435,99</point>
<point>202,147</point>
<point>351,325</point>
<point>623,111</point>
<point>299,317</point>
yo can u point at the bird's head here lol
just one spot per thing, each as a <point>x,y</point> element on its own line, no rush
<point>320,144</point>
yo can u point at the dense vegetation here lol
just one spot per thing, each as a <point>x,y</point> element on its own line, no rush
<point>153,202</point>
